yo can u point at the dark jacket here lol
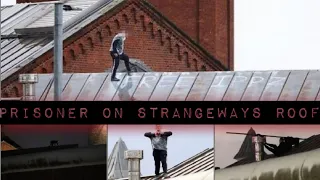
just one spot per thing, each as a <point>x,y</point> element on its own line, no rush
<point>159,142</point>
<point>117,44</point>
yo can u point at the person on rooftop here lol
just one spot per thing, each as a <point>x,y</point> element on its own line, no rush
<point>117,53</point>
<point>159,141</point>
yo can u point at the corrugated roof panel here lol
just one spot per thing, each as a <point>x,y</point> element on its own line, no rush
<point>74,86</point>
<point>183,86</point>
<point>201,86</point>
<point>237,86</point>
<point>19,56</point>
<point>274,86</point>
<point>219,86</point>
<point>291,89</point>
<point>128,87</point>
<point>164,86</point>
<point>48,19</point>
<point>310,88</point>
<point>146,86</point>
<point>92,87</point>
<point>109,88</point>
<point>256,86</point>
<point>15,52</point>
<point>11,11</point>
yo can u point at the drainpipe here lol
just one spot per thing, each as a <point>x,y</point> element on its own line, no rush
<point>28,82</point>
<point>134,157</point>
<point>258,147</point>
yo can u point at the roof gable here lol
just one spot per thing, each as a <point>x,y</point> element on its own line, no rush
<point>19,50</point>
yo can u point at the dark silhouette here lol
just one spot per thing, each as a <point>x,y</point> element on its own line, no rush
<point>54,143</point>
<point>285,145</point>
<point>159,144</point>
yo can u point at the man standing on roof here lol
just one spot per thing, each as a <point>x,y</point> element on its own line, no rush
<point>159,144</point>
<point>117,53</point>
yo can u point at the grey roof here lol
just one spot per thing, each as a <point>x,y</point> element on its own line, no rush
<point>200,162</point>
<point>186,86</point>
<point>117,165</point>
<point>26,19</point>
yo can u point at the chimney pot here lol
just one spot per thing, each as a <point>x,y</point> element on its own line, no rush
<point>134,157</point>
<point>28,82</point>
<point>258,147</point>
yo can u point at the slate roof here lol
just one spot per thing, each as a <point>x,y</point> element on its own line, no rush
<point>186,86</point>
<point>200,162</point>
<point>26,29</point>
<point>18,52</point>
<point>309,144</point>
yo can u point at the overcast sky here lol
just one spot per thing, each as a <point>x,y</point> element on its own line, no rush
<point>274,34</point>
<point>185,142</point>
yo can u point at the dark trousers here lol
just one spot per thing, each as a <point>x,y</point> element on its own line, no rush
<point>116,61</point>
<point>160,156</point>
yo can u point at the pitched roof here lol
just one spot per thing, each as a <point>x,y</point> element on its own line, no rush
<point>117,165</point>
<point>19,47</point>
<point>9,141</point>
<point>27,29</point>
<point>309,144</point>
<point>200,162</point>
<point>186,86</point>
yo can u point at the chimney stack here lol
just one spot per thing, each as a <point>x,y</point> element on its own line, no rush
<point>258,147</point>
<point>134,157</point>
<point>28,82</point>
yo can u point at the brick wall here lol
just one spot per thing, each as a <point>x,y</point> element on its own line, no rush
<point>88,50</point>
<point>209,22</point>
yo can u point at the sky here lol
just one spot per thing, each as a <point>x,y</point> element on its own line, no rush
<point>228,145</point>
<point>186,141</point>
<point>277,33</point>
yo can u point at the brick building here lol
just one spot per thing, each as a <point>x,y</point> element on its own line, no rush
<point>163,36</point>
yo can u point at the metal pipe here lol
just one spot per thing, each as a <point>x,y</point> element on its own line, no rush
<point>134,157</point>
<point>58,50</point>
<point>258,147</point>
<point>28,82</point>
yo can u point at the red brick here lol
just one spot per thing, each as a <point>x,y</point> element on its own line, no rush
<point>88,51</point>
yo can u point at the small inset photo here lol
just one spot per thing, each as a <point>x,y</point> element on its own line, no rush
<point>53,152</point>
<point>160,152</point>
<point>267,152</point>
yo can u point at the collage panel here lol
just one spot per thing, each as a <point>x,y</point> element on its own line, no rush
<point>160,152</point>
<point>271,152</point>
<point>55,152</point>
